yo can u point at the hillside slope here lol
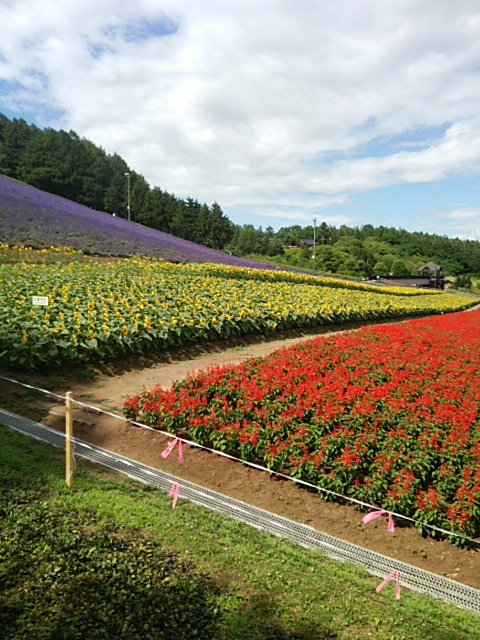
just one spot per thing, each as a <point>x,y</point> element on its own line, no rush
<point>35,218</point>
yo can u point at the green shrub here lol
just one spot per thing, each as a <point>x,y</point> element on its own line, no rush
<point>463,282</point>
<point>63,576</point>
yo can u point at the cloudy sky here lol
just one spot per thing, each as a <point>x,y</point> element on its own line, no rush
<point>350,111</point>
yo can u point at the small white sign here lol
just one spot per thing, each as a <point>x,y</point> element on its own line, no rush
<point>40,301</point>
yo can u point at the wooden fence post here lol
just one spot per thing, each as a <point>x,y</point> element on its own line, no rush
<point>68,439</point>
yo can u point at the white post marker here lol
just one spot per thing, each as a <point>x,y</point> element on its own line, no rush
<point>40,301</point>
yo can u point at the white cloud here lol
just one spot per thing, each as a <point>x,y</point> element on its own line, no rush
<point>464,214</point>
<point>457,152</point>
<point>460,222</point>
<point>257,104</point>
<point>464,222</point>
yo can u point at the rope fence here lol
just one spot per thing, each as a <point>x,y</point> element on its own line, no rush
<point>89,408</point>
<point>386,568</point>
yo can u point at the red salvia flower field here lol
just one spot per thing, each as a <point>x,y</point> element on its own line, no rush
<point>387,415</point>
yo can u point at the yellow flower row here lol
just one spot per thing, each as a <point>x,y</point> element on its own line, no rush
<point>22,249</point>
<point>139,305</point>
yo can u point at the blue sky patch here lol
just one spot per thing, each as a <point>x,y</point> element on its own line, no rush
<point>136,32</point>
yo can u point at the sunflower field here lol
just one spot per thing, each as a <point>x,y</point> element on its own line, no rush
<point>95,310</point>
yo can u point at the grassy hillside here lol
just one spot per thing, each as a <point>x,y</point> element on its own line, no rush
<point>113,560</point>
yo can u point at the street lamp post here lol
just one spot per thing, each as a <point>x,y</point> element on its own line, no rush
<point>314,240</point>
<point>127,175</point>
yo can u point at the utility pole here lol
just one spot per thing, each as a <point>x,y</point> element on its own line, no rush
<point>314,240</point>
<point>127,175</point>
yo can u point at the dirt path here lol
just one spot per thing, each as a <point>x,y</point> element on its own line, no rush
<point>176,365</point>
<point>230,478</point>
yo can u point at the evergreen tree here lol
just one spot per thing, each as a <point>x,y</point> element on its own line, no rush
<point>15,136</point>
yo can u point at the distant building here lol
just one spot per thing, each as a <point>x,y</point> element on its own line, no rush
<point>429,268</point>
<point>430,276</point>
<point>434,273</point>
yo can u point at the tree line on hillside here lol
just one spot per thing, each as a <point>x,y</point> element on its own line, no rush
<point>64,164</point>
<point>358,251</point>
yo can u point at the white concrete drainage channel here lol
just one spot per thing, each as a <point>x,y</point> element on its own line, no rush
<point>413,578</point>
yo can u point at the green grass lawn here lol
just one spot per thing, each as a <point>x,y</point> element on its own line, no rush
<point>111,559</point>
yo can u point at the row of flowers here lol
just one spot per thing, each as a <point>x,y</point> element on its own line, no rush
<point>99,310</point>
<point>386,415</point>
<point>242,273</point>
<point>26,250</point>
<point>19,253</point>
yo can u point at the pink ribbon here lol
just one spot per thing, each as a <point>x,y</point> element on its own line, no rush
<point>394,575</point>
<point>174,492</point>
<point>170,448</point>
<point>377,514</point>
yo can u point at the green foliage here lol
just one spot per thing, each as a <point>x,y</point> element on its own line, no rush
<point>363,251</point>
<point>380,269</point>
<point>399,268</point>
<point>64,575</point>
<point>463,282</point>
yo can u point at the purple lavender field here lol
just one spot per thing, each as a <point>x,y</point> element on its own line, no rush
<point>37,219</point>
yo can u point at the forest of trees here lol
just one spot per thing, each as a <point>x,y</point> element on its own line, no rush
<point>359,251</point>
<point>64,164</point>
<point>75,168</point>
